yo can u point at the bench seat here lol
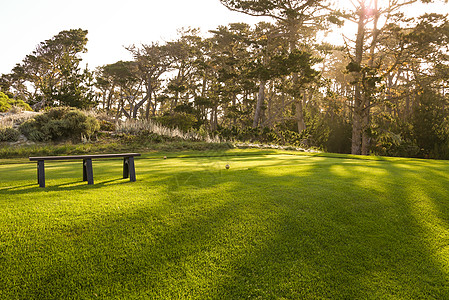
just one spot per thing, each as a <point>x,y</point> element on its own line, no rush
<point>128,165</point>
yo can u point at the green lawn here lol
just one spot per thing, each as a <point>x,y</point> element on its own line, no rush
<point>276,225</point>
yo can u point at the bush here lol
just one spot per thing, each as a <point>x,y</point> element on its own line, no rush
<point>7,103</point>
<point>60,124</point>
<point>4,103</point>
<point>9,134</point>
<point>329,132</point>
<point>28,129</point>
<point>79,124</point>
<point>107,126</point>
<point>21,104</point>
<point>180,120</point>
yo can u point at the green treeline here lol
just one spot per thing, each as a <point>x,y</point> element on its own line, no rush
<point>384,92</point>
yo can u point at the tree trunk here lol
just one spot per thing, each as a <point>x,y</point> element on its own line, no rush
<point>365,137</point>
<point>127,115</point>
<point>357,123</point>
<point>109,102</point>
<point>154,105</point>
<point>119,108</point>
<point>213,119</point>
<point>358,96</point>
<point>260,100</point>
<point>147,110</point>
<point>141,102</point>
<point>300,115</point>
<point>293,36</point>
<point>216,118</point>
<point>367,96</point>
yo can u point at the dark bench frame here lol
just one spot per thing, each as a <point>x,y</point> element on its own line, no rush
<point>88,175</point>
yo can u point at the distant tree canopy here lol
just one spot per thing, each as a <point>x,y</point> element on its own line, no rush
<point>385,91</point>
<point>51,75</point>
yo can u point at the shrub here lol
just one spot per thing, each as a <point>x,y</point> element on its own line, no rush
<point>7,103</point>
<point>330,132</point>
<point>20,104</point>
<point>29,129</point>
<point>4,103</point>
<point>182,120</point>
<point>79,124</point>
<point>9,134</point>
<point>107,126</point>
<point>60,124</point>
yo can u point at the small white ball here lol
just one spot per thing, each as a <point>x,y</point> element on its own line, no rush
<point>227,166</point>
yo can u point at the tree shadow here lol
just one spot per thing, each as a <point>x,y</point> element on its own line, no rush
<point>344,243</point>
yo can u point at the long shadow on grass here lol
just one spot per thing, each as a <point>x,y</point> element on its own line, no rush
<point>66,187</point>
<point>369,242</point>
<point>148,251</point>
<point>17,187</point>
<point>344,243</point>
<point>328,229</point>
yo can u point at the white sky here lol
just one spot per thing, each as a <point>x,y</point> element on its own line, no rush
<point>112,24</point>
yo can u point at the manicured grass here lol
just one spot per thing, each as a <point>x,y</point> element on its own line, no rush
<point>276,225</point>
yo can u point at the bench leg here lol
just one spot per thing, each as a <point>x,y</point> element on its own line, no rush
<point>84,170</point>
<point>40,173</point>
<point>126,167</point>
<point>88,174</point>
<point>129,169</point>
<point>132,170</point>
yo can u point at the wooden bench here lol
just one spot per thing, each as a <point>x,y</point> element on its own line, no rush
<point>88,175</point>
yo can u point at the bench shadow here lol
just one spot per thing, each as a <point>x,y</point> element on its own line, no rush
<point>79,183</point>
<point>11,188</point>
<point>66,186</point>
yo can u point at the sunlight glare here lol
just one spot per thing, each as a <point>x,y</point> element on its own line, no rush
<point>413,10</point>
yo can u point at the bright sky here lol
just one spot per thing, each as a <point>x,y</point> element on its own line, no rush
<point>112,24</point>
